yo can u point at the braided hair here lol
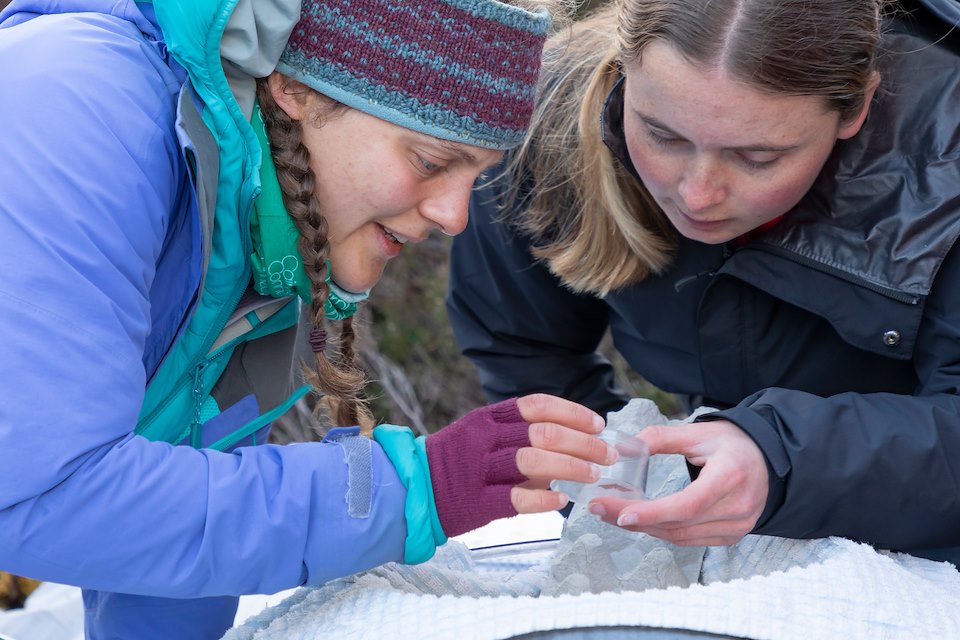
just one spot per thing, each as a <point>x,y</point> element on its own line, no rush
<point>338,380</point>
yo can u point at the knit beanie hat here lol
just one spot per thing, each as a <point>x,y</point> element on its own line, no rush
<point>461,70</point>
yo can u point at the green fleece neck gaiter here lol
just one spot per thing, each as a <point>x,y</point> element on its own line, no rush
<point>276,260</point>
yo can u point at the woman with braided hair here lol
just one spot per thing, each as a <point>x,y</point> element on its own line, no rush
<point>179,176</point>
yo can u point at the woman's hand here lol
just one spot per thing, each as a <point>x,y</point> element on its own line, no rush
<point>718,508</point>
<point>563,446</point>
<point>498,460</point>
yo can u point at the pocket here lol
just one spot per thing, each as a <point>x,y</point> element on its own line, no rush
<point>255,388</point>
<point>217,425</point>
<point>256,431</point>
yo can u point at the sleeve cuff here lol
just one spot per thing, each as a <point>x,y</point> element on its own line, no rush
<point>409,459</point>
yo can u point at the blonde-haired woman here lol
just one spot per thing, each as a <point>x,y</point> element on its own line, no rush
<point>759,199</point>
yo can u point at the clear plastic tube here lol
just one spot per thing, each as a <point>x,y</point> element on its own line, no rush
<point>626,478</point>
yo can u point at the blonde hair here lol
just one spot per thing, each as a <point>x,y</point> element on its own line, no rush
<point>594,225</point>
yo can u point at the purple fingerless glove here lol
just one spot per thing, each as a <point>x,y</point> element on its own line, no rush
<point>473,466</point>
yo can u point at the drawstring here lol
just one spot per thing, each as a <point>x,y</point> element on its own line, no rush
<point>682,282</point>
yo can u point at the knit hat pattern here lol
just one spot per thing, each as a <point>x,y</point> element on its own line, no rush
<point>461,70</point>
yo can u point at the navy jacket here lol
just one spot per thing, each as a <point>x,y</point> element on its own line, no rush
<point>833,340</point>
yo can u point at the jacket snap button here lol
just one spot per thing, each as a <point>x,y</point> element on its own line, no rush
<point>891,338</point>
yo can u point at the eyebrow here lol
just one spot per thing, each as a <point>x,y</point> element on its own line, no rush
<point>458,150</point>
<point>753,148</point>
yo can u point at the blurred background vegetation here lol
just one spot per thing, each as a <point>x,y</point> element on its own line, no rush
<point>408,347</point>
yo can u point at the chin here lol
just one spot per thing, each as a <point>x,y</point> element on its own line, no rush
<point>358,276</point>
<point>359,285</point>
<point>706,238</point>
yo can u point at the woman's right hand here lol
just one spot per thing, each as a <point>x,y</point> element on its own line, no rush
<point>718,508</point>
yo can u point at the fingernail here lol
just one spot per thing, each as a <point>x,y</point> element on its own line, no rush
<point>564,500</point>
<point>598,423</point>
<point>594,473</point>
<point>597,510</point>
<point>612,454</point>
<point>627,519</point>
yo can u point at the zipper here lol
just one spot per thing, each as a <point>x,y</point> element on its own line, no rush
<point>683,282</point>
<point>197,404</point>
<point>709,273</point>
<point>202,361</point>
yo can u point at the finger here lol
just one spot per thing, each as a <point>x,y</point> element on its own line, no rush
<point>703,535</point>
<point>717,532</point>
<point>609,509</point>
<point>540,407</point>
<point>682,439</point>
<point>553,437</point>
<point>537,500</point>
<point>537,463</point>
<point>686,507</point>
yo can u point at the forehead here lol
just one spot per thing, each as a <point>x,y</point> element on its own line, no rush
<point>709,103</point>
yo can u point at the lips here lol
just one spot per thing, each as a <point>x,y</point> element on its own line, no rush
<point>392,235</point>
<point>698,222</point>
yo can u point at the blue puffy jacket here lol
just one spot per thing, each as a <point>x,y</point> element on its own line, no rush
<point>115,168</point>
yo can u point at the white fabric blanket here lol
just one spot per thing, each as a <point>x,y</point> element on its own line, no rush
<point>854,592</point>
<point>602,576</point>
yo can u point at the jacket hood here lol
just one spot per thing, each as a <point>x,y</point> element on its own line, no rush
<point>224,45</point>
<point>255,36</point>
<point>227,44</point>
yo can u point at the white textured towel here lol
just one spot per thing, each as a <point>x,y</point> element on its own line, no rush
<point>854,592</point>
<point>761,588</point>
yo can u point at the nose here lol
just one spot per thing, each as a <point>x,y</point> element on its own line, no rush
<point>447,205</point>
<point>701,185</point>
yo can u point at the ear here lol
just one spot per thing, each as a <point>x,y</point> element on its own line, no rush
<point>289,94</point>
<point>851,127</point>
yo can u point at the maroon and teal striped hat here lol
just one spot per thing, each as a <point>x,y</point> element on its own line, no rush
<point>462,70</point>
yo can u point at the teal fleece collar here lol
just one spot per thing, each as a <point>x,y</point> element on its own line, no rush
<point>276,260</point>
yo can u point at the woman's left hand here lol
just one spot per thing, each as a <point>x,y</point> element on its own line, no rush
<point>718,508</point>
<point>498,460</point>
<point>563,446</point>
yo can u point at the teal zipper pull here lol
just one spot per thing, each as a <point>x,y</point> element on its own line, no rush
<point>195,427</point>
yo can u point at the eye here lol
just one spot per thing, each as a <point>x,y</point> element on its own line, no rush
<point>662,139</point>
<point>756,164</point>
<point>426,166</point>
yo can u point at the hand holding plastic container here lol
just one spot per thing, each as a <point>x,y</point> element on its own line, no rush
<point>625,479</point>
